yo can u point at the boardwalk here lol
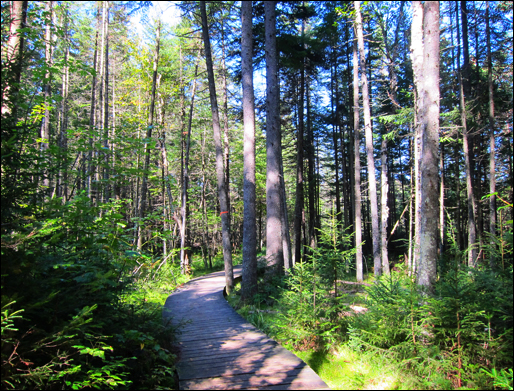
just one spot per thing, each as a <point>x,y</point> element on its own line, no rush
<point>220,350</point>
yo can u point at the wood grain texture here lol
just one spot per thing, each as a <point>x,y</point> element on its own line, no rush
<point>220,350</point>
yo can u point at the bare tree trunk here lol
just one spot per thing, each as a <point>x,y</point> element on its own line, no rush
<point>464,94</point>
<point>14,55</point>
<point>492,165</point>
<point>417,67</point>
<point>47,88</point>
<point>299,203</point>
<point>144,186</point>
<point>357,166</point>
<point>274,244</point>
<point>185,265</point>
<point>220,171</point>
<point>92,123</point>
<point>372,181</point>
<point>249,283</point>
<point>105,106</point>
<point>226,147</point>
<point>384,215</point>
<point>429,113</point>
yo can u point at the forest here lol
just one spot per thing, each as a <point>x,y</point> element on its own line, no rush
<point>355,157</point>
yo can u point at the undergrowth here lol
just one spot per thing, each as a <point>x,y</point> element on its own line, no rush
<point>393,335</point>
<point>81,308</point>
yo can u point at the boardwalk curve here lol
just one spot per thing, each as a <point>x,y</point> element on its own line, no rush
<point>221,350</point>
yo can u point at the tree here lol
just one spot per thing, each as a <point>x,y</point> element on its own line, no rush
<point>144,187</point>
<point>14,54</point>
<point>220,172</point>
<point>274,218</point>
<point>368,132</point>
<point>428,114</point>
<point>249,284</point>
<point>357,166</point>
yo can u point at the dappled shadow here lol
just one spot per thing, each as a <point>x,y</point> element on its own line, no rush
<point>220,349</point>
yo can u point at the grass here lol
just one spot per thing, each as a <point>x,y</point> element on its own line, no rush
<point>340,367</point>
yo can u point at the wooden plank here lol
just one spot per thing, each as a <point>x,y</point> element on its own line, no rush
<point>221,350</point>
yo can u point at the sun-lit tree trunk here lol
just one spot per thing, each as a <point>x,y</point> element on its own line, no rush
<point>429,120</point>
<point>417,68</point>
<point>105,103</point>
<point>372,181</point>
<point>384,215</point>
<point>357,165</point>
<point>47,88</point>
<point>63,133</point>
<point>185,261</point>
<point>492,146</point>
<point>14,55</point>
<point>226,146</point>
<point>220,171</point>
<point>146,167</point>
<point>249,283</point>
<point>274,245</point>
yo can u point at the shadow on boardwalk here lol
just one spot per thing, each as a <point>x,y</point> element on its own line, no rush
<point>220,350</point>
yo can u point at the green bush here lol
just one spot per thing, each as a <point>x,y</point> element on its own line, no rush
<point>71,317</point>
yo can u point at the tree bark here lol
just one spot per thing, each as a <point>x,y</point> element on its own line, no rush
<point>47,88</point>
<point>492,147</point>
<point>465,91</point>
<point>384,215</point>
<point>185,261</point>
<point>249,283</point>
<point>357,166</point>
<point>417,67</point>
<point>429,113</point>
<point>220,171</point>
<point>369,144</point>
<point>274,245</point>
<point>146,167</point>
<point>14,56</point>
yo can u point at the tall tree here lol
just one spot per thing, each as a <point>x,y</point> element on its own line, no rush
<point>368,132</point>
<point>220,172</point>
<point>428,114</point>
<point>184,237</point>
<point>14,54</point>
<point>357,165</point>
<point>417,70</point>
<point>274,205</point>
<point>492,144</point>
<point>465,92</point>
<point>144,186</point>
<point>47,88</point>
<point>249,283</point>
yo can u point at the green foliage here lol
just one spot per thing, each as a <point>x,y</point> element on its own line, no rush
<point>84,323</point>
<point>447,338</point>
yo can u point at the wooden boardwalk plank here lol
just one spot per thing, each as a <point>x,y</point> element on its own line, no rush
<point>221,350</point>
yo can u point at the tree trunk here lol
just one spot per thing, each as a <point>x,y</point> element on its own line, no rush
<point>384,191</point>
<point>146,167</point>
<point>220,171</point>
<point>417,67</point>
<point>47,88</point>
<point>185,261</point>
<point>249,283</point>
<point>492,165</point>
<point>14,56</point>
<point>429,113</point>
<point>465,91</point>
<point>369,144</point>
<point>274,244</point>
<point>357,166</point>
